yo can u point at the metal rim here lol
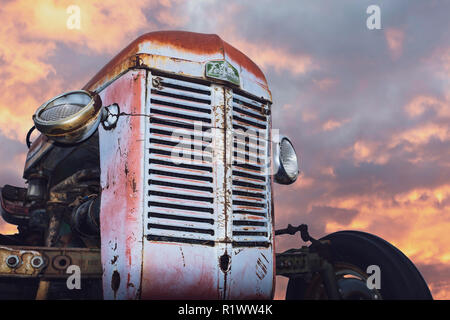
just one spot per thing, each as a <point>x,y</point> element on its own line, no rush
<point>351,284</point>
<point>280,173</point>
<point>72,122</point>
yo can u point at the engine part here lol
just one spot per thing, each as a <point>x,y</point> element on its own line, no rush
<point>72,187</point>
<point>12,206</point>
<point>38,219</point>
<point>48,263</point>
<point>37,188</point>
<point>85,218</point>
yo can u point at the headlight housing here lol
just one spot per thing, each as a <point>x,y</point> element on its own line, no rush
<point>69,118</point>
<point>286,166</point>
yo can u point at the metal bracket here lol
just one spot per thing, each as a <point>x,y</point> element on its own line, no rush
<point>110,116</point>
<point>296,262</point>
<point>48,263</point>
<point>305,261</point>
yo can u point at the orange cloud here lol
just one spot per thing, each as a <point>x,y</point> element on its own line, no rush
<point>325,83</point>
<point>422,134</point>
<point>331,125</point>
<point>268,56</point>
<point>369,151</point>
<point>419,104</point>
<point>309,115</point>
<point>303,182</point>
<point>395,38</point>
<point>105,25</point>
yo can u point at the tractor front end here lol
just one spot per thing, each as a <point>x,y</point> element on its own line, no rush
<point>155,181</point>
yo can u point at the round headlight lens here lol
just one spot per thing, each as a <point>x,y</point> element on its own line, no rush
<point>286,161</point>
<point>69,118</point>
<point>64,107</point>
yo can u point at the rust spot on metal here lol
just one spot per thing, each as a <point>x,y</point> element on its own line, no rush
<point>133,185</point>
<point>265,258</point>
<point>114,259</point>
<point>224,262</point>
<point>156,83</point>
<point>129,284</point>
<point>261,269</point>
<point>115,282</point>
<point>182,255</point>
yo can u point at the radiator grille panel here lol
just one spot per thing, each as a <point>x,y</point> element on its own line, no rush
<point>181,195</point>
<point>180,185</point>
<point>250,183</point>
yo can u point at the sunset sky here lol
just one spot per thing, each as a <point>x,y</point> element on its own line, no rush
<point>367,110</point>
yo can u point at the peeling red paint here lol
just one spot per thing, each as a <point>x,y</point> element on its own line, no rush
<point>121,197</point>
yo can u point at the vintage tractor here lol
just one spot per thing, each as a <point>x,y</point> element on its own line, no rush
<point>155,182</point>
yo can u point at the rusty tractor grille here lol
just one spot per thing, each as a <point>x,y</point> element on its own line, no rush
<point>250,190</point>
<point>180,199</point>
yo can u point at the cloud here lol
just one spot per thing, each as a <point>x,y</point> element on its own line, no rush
<point>395,38</point>
<point>46,20</point>
<point>422,103</point>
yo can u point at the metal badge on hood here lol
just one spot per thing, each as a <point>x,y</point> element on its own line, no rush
<point>222,70</point>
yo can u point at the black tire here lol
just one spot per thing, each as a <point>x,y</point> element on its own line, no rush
<point>400,279</point>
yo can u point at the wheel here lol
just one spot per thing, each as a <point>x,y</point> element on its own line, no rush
<point>352,252</point>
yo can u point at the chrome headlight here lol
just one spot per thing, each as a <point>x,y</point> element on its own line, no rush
<point>69,118</point>
<point>285,162</point>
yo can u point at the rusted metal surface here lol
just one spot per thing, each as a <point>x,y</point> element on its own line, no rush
<point>184,53</point>
<point>77,184</point>
<point>55,216</point>
<point>23,262</point>
<point>49,263</point>
<point>122,181</point>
